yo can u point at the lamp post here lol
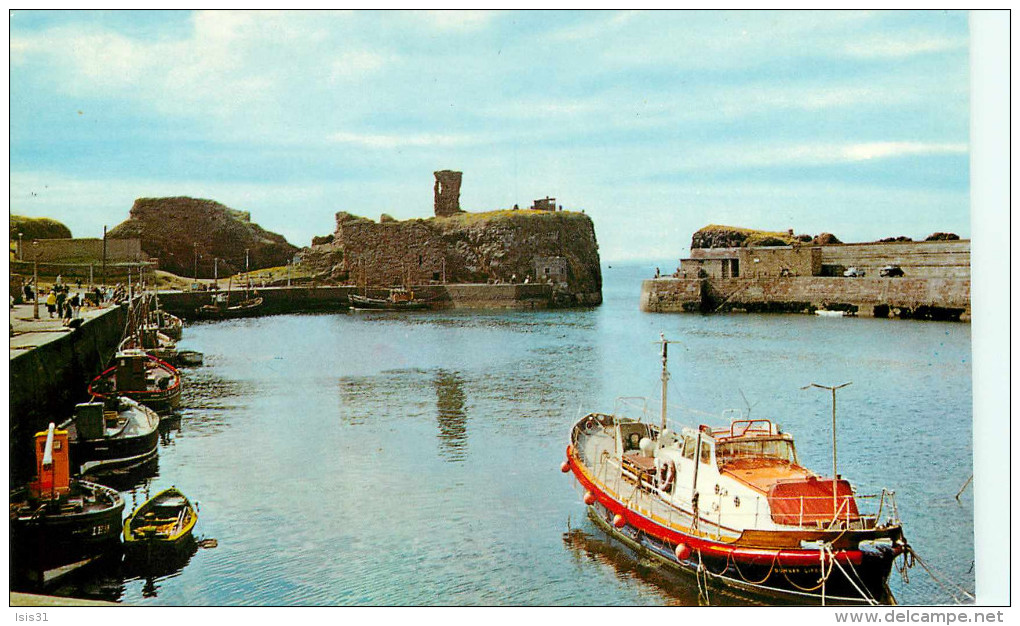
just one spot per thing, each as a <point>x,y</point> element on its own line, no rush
<point>216,273</point>
<point>21,253</point>
<point>35,279</point>
<point>834,475</point>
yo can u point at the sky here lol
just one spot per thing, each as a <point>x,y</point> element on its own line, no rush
<point>655,124</point>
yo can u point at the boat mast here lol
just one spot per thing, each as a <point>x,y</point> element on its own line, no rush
<point>665,375</point>
<point>835,476</point>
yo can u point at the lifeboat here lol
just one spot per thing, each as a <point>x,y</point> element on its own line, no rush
<point>733,506</point>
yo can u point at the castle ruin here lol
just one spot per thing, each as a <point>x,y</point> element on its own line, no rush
<point>447,193</point>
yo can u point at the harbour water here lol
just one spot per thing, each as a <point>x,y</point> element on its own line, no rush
<point>411,459</point>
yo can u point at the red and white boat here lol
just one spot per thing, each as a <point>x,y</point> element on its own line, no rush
<point>733,507</point>
<point>141,377</point>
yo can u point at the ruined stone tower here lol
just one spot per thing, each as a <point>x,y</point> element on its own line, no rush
<point>447,192</point>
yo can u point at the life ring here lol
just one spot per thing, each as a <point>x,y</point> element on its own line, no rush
<point>589,425</point>
<point>664,474</point>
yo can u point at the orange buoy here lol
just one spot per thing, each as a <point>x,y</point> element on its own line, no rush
<point>619,521</point>
<point>565,467</point>
<point>589,498</point>
<point>682,551</point>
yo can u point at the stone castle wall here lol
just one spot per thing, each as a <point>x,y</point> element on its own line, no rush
<point>82,250</point>
<point>497,247</point>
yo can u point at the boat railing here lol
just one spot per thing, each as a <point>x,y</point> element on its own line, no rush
<point>631,402</point>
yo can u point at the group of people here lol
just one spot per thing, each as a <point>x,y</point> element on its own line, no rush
<point>65,304</point>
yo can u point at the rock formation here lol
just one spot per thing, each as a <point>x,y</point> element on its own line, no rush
<point>942,237</point>
<point>174,230</point>
<point>501,246</point>
<point>37,228</point>
<point>713,236</point>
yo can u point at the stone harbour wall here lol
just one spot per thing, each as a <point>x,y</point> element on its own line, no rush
<point>930,298</point>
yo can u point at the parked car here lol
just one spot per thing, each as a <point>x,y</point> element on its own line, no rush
<point>853,272</point>
<point>891,271</point>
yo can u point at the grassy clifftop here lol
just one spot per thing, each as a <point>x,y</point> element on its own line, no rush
<point>38,228</point>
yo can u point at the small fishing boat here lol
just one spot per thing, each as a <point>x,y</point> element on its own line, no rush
<point>141,377</point>
<point>115,434</point>
<point>397,300</point>
<point>152,342</point>
<point>828,313</point>
<point>221,309</point>
<point>733,507</point>
<point>59,523</point>
<point>169,325</point>
<point>166,519</point>
<point>189,358</point>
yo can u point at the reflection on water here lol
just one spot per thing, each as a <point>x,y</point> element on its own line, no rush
<point>336,463</point>
<point>451,415</point>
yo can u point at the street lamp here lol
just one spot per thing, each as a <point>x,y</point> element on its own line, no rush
<point>834,475</point>
<point>196,262</point>
<point>21,253</point>
<point>35,279</point>
<point>216,272</point>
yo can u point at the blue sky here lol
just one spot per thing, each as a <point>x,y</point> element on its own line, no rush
<point>654,123</point>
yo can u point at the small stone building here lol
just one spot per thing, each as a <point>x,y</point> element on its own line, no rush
<point>550,269</point>
<point>545,204</point>
<point>756,262</point>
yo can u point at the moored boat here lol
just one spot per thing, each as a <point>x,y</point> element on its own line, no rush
<point>166,323</point>
<point>153,342</point>
<point>115,434</point>
<point>733,507</point>
<point>166,520</point>
<point>141,377</point>
<point>221,308</point>
<point>397,300</point>
<point>57,522</point>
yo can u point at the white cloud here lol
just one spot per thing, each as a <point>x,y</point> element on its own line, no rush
<point>370,140</point>
<point>459,20</point>
<point>903,46</point>
<point>597,28</point>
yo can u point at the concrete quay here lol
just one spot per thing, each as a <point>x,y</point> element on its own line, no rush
<point>50,368</point>
<point>906,298</point>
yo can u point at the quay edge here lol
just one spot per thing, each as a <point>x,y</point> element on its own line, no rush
<point>927,298</point>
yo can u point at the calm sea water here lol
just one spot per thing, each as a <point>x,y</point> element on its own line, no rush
<point>386,459</point>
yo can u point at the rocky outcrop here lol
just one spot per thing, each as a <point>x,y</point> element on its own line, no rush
<point>37,228</point>
<point>713,236</point>
<point>497,246</point>
<point>175,229</point>
<point>942,237</point>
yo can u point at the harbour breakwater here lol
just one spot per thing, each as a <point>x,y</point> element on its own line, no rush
<point>311,299</point>
<point>916,298</point>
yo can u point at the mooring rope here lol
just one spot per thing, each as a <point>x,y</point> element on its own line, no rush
<point>866,596</point>
<point>909,550</point>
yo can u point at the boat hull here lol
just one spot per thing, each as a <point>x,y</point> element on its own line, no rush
<point>250,308</point>
<point>57,536</point>
<point>146,535</point>
<point>156,397</point>
<point>363,303</point>
<point>790,575</point>
<point>99,455</point>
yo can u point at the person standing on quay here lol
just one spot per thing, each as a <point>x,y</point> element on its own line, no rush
<point>61,297</point>
<point>51,303</point>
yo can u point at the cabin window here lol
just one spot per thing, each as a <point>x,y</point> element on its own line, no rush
<point>706,452</point>
<point>689,448</point>
<point>777,449</point>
